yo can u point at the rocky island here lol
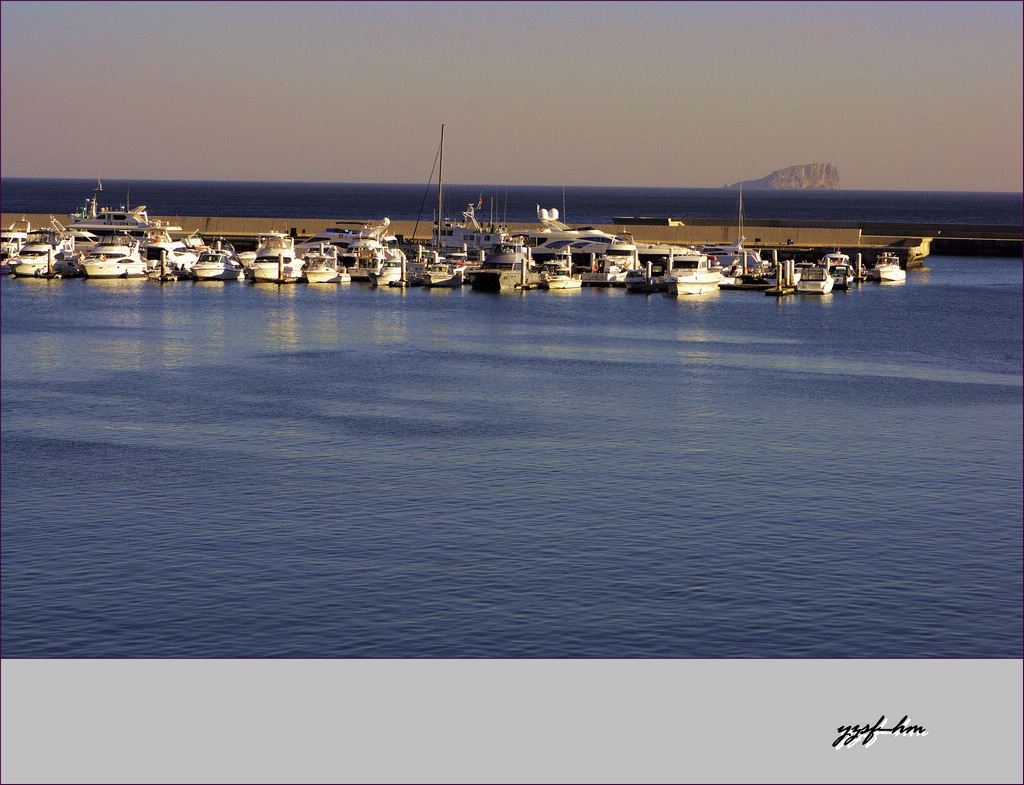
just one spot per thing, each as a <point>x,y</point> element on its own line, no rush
<point>808,177</point>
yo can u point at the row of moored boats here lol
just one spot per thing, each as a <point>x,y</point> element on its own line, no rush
<point>125,243</point>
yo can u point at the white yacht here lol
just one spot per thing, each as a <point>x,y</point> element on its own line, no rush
<point>691,274</point>
<point>115,256</point>
<point>468,234</point>
<point>887,268</point>
<point>335,236</point>
<point>735,255</point>
<point>103,221</point>
<point>585,244</point>
<point>841,270</point>
<point>509,265</point>
<point>370,249</point>
<point>275,260</point>
<point>169,257</point>
<point>46,252</point>
<point>219,263</point>
<point>323,265</point>
<point>11,240</point>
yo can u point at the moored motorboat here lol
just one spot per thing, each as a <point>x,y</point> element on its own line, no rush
<point>11,240</point>
<point>887,269</point>
<point>115,256</point>
<point>691,274</point>
<point>558,274</point>
<point>815,279</point>
<point>275,261</point>
<point>219,263</point>
<point>646,280</point>
<point>842,271</point>
<point>324,266</point>
<point>47,252</point>
<point>369,249</point>
<point>508,266</point>
<point>442,272</point>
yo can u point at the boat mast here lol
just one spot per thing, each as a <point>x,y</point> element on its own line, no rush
<point>740,228</point>
<point>440,179</point>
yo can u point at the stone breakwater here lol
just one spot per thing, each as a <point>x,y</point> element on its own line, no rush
<point>804,239</point>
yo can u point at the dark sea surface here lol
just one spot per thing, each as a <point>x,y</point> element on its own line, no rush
<point>230,470</point>
<point>515,204</point>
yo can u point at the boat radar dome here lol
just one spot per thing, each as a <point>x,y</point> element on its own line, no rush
<point>543,214</point>
<point>554,213</point>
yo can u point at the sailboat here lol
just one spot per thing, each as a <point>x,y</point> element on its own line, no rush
<point>741,268</point>
<point>439,271</point>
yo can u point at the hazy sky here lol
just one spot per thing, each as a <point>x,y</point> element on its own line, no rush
<point>904,96</point>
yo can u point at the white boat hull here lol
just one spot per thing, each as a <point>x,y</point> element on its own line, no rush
<point>889,274</point>
<point>385,277</point>
<point>815,287</point>
<point>694,285</point>
<point>563,282</point>
<point>216,274</point>
<point>114,269</point>
<point>604,279</point>
<point>327,276</point>
<point>275,272</point>
<point>29,269</point>
<point>444,280</point>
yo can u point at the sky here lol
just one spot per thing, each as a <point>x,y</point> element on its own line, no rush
<point>917,96</point>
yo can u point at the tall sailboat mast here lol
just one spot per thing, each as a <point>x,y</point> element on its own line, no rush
<point>740,225</point>
<point>440,181</point>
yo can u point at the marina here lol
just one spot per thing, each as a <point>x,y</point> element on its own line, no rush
<point>226,468</point>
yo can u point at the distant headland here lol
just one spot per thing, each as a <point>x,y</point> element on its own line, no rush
<point>808,177</point>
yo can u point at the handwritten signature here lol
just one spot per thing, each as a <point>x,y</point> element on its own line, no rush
<point>848,734</point>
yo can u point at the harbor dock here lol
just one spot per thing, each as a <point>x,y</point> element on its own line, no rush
<point>802,241</point>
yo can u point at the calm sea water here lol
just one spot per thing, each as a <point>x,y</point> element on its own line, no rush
<point>517,204</point>
<point>237,470</point>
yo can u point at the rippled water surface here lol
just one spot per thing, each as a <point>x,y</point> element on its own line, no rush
<point>237,470</point>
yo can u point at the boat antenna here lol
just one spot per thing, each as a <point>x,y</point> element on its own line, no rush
<point>563,202</point>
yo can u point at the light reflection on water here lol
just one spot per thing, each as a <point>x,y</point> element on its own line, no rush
<point>249,470</point>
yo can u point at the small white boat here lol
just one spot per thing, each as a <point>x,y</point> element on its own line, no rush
<point>646,280</point>
<point>219,263</point>
<point>841,270</point>
<point>815,279</point>
<point>322,265</point>
<point>389,271</point>
<point>606,270</point>
<point>887,268</point>
<point>691,275</point>
<point>557,275</point>
<point>441,272</point>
